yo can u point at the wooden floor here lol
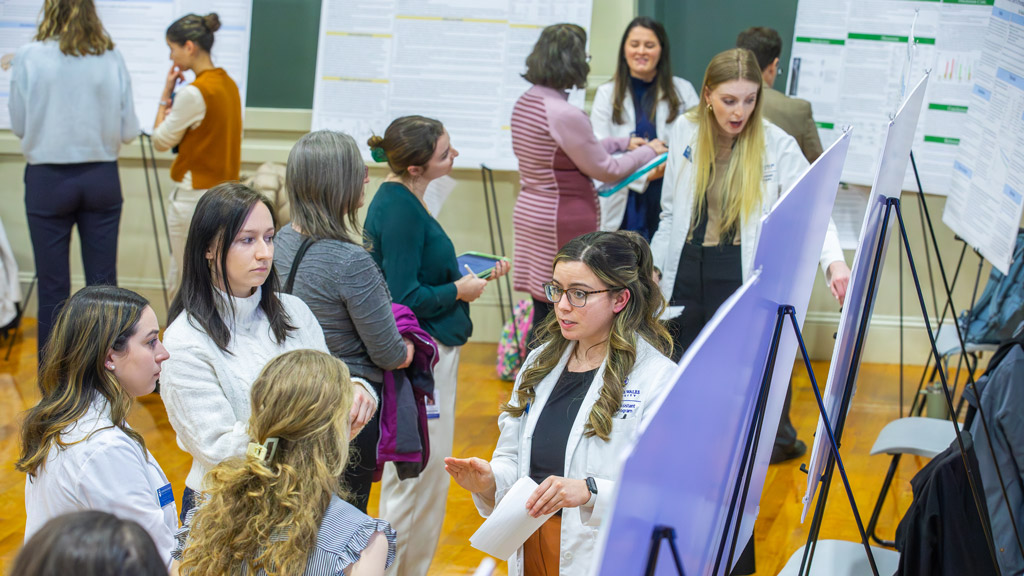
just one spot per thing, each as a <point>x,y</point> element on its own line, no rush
<point>778,531</point>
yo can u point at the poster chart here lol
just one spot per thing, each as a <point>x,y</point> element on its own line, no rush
<point>850,59</point>
<point>985,201</point>
<point>137,28</point>
<point>455,60</point>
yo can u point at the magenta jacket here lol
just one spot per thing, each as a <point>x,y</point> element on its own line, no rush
<point>403,409</point>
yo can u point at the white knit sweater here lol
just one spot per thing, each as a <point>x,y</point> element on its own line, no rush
<point>206,390</point>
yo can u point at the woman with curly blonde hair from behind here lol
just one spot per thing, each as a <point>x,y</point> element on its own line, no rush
<point>280,509</point>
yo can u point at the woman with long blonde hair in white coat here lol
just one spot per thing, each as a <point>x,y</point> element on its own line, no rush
<point>726,168</point>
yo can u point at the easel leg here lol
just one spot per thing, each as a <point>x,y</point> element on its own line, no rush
<point>746,468</point>
<point>978,502</point>
<point>858,348</point>
<point>832,441</point>
<point>152,215</point>
<point>663,533</point>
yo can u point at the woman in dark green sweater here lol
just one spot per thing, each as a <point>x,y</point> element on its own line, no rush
<point>419,265</point>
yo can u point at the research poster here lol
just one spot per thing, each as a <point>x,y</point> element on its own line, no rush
<point>853,59</point>
<point>455,60</point>
<point>984,205</point>
<point>137,28</point>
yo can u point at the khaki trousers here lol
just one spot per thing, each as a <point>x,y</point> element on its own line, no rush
<point>181,206</point>
<point>415,507</point>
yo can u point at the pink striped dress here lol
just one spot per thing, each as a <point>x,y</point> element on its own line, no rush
<point>559,157</point>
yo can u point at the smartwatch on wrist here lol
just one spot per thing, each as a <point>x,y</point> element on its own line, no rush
<point>592,485</point>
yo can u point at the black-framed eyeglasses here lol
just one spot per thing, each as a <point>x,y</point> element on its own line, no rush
<point>577,297</point>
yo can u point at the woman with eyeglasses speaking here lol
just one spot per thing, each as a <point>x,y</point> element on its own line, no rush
<point>580,400</point>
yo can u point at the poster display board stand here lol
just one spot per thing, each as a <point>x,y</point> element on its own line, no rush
<point>668,534</point>
<point>498,241</point>
<point>891,205</point>
<point>149,167</point>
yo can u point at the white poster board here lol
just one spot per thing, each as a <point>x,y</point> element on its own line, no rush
<point>985,201</point>
<point>849,59</point>
<point>692,486</point>
<point>453,60</point>
<point>892,164</point>
<point>137,28</point>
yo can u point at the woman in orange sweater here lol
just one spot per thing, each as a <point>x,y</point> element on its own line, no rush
<point>203,119</point>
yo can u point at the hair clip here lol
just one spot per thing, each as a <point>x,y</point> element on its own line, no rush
<point>378,154</point>
<point>265,451</point>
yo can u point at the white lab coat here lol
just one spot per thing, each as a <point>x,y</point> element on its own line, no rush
<point>784,165</point>
<point>613,207</point>
<point>647,383</point>
<point>105,470</point>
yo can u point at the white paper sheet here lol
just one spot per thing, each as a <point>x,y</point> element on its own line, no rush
<point>671,312</point>
<point>508,526</point>
<point>848,214</point>
<point>454,60</point>
<point>437,192</point>
<point>987,195</point>
<point>849,59</point>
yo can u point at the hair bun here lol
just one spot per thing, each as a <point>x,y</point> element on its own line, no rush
<point>377,152</point>
<point>212,22</point>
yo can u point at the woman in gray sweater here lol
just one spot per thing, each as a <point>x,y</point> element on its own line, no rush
<point>336,277</point>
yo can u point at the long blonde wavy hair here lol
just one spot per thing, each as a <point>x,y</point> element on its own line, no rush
<point>76,26</point>
<point>94,321</point>
<point>267,514</point>
<point>618,259</point>
<point>741,183</point>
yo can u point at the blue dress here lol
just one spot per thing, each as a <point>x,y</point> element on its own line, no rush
<point>643,209</point>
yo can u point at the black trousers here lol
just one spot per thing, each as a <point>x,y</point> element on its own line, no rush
<point>706,277</point>
<point>57,198</point>
<point>362,459</point>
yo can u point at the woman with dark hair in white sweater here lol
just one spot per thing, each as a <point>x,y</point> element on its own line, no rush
<point>227,322</point>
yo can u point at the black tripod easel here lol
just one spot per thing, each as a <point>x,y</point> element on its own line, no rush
<point>498,241</point>
<point>149,165</point>
<point>891,204</point>
<point>929,372</point>
<point>741,487</point>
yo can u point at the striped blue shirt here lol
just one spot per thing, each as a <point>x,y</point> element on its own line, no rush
<point>344,533</point>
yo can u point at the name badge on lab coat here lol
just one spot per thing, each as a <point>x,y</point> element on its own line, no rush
<point>631,403</point>
<point>769,172</point>
<point>165,495</point>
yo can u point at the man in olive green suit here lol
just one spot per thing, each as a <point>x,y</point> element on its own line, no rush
<point>791,114</point>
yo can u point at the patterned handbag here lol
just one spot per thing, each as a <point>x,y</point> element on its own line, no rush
<point>512,344</point>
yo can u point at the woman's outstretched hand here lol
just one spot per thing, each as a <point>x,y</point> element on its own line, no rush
<point>473,474</point>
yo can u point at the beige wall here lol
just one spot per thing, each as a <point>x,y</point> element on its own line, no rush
<point>269,135</point>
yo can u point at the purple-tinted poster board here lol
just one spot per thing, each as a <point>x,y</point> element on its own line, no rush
<point>683,470</point>
<point>892,166</point>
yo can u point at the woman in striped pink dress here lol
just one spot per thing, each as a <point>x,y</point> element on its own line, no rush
<point>559,158</point>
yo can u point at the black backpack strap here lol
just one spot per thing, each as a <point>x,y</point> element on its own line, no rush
<point>290,283</point>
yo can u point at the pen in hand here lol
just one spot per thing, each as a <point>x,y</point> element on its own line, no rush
<point>469,270</point>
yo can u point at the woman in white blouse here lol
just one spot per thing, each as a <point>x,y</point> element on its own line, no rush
<point>76,447</point>
<point>227,322</point>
